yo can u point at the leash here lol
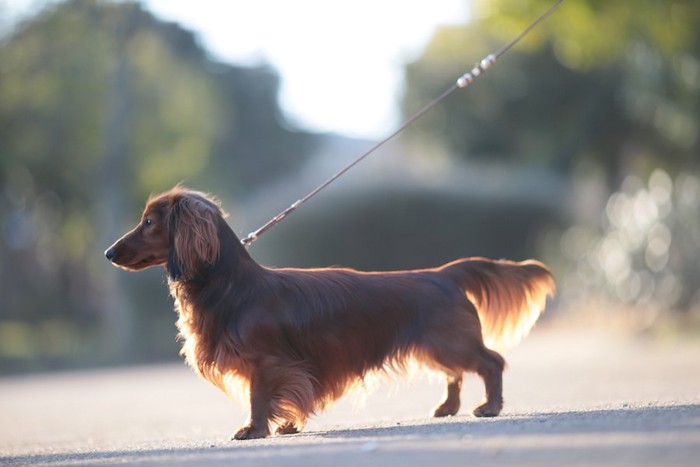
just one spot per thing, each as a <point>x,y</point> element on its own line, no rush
<point>461,83</point>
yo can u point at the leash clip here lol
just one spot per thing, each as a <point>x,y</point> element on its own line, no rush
<point>467,78</point>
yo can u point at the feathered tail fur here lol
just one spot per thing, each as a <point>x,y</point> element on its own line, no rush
<point>509,296</point>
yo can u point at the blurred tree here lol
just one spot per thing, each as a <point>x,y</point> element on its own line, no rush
<point>645,255</point>
<point>100,105</point>
<point>598,82</point>
<point>599,91</point>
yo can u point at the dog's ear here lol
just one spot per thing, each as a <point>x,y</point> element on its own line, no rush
<point>194,238</point>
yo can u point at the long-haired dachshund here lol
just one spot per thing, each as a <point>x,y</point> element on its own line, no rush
<point>297,339</point>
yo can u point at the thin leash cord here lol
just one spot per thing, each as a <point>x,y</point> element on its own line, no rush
<point>463,81</point>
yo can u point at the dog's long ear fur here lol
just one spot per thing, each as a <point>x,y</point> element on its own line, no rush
<point>194,238</point>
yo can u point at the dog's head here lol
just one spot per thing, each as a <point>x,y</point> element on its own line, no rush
<point>179,229</point>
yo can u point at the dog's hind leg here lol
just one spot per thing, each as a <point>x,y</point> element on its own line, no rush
<point>490,367</point>
<point>450,406</point>
<point>454,345</point>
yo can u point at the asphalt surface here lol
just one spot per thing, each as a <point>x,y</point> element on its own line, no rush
<point>573,397</point>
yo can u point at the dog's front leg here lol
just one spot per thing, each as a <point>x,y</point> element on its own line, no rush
<point>260,396</point>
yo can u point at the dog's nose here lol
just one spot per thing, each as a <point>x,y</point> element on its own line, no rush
<point>110,253</point>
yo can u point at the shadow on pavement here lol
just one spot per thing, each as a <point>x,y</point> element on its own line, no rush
<point>577,436</point>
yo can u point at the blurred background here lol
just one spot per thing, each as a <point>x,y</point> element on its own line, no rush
<point>579,148</point>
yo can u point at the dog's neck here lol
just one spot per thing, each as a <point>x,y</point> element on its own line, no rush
<point>208,304</point>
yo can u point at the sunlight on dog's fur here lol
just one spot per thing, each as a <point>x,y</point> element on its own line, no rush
<point>291,341</point>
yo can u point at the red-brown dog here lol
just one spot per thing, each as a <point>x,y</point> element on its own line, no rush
<point>298,338</point>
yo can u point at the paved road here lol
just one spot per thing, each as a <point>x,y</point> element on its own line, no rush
<point>573,397</point>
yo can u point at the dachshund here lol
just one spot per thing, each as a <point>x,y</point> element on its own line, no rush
<point>294,340</point>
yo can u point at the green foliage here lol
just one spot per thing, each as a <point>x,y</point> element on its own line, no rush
<point>597,81</point>
<point>603,93</point>
<point>589,34</point>
<point>645,254</point>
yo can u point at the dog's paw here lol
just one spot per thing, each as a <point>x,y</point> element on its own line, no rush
<point>446,410</point>
<point>488,409</point>
<point>288,429</point>
<point>251,432</point>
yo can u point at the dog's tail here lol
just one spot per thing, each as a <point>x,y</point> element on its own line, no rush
<point>509,296</point>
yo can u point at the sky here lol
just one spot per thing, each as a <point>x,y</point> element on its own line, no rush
<point>340,62</point>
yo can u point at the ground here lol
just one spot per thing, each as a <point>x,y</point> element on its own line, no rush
<point>573,397</point>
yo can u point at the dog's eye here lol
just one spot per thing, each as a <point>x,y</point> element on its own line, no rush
<point>148,222</point>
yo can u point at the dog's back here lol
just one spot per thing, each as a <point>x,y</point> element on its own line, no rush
<point>343,323</point>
